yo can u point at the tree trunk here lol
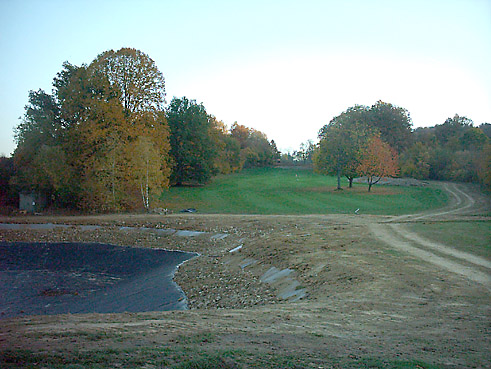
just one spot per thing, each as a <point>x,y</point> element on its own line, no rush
<point>147,205</point>
<point>350,182</point>
<point>143,193</point>
<point>339,177</point>
<point>113,180</point>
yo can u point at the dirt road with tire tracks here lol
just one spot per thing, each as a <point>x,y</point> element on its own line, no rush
<point>396,234</point>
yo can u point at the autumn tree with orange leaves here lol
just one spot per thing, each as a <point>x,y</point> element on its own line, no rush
<point>377,160</point>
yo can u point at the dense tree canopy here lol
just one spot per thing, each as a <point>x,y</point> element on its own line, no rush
<point>192,146</point>
<point>392,122</point>
<point>102,141</point>
<point>227,159</point>
<point>40,137</point>
<point>89,127</point>
<point>454,150</point>
<point>255,149</point>
<point>340,144</point>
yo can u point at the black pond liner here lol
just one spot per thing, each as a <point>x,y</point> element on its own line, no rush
<point>59,278</point>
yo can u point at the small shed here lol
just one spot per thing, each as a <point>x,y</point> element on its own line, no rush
<point>32,202</point>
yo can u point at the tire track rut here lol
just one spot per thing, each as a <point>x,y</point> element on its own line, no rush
<point>395,234</point>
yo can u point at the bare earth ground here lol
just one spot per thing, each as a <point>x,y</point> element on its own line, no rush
<point>344,290</point>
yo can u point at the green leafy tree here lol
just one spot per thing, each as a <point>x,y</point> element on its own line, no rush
<point>192,147</point>
<point>451,131</point>
<point>335,154</point>
<point>415,161</point>
<point>456,150</point>
<point>484,167</point>
<point>56,173</point>
<point>277,154</point>
<point>486,129</point>
<point>340,142</point>
<point>441,163</point>
<point>393,123</point>
<point>41,123</point>
<point>465,168</point>
<point>8,196</point>
<point>40,161</point>
<point>473,139</point>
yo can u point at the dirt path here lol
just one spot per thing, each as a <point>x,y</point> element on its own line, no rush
<point>396,234</point>
<point>461,203</point>
<point>404,241</point>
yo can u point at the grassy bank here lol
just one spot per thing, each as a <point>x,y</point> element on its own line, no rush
<point>180,356</point>
<point>473,237</point>
<point>297,191</point>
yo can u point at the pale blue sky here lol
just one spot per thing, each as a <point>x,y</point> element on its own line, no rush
<point>283,67</point>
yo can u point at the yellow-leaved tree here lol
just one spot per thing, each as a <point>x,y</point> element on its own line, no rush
<point>146,172</point>
<point>106,122</point>
<point>150,170</point>
<point>134,139</point>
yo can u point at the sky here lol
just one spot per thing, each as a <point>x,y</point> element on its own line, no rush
<point>285,68</point>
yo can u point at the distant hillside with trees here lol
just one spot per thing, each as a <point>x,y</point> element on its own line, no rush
<point>455,150</point>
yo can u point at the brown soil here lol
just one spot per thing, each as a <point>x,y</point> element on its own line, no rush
<point>374,290</point>
<point>374,191</point>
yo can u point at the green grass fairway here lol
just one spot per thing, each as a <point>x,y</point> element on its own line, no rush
<point>473,237</point>
<point>297,191</point>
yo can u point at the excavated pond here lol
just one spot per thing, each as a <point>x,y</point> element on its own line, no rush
<point>58,278</point>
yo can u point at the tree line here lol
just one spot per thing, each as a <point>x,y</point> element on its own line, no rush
<point>104,140</point>
<point>379,141</point>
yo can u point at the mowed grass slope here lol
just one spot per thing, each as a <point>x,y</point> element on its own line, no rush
<point>297,191</point>
<point>473,237</point>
